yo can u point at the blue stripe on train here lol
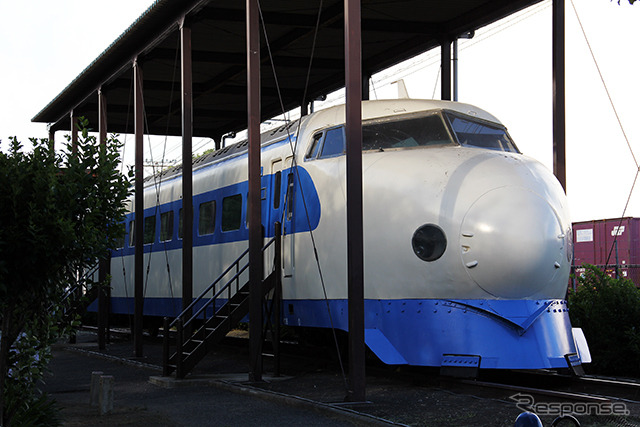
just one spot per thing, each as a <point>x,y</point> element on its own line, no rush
<point>302,187</point>
<point>506,334</point>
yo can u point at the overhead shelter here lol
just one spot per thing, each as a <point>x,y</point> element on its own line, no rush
<point>183,68</point>
<point>391,32</point>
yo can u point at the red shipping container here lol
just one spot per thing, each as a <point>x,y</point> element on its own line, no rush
<point>609,242</point>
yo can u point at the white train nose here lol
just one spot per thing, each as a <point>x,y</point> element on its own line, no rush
<point>513,244</point>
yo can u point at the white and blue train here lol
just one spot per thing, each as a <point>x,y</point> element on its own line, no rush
<point>467,241</point>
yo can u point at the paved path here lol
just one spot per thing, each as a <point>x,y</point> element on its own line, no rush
<point>139,403</point>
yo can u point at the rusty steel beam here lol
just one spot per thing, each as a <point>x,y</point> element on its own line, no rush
<point>445,64</point>
<point>253,210</point>
<point>187,166</point>
<point>52,138</point>
<point>355,241</point>
<point>74,132</point>
<point>104,266</point>
<point>559,124</point>
<point>366,96</point>
<point>138,105</point>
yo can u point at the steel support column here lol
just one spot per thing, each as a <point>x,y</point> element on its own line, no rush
<point>52,139</point>
<point>74,132</point>
<point>104,266</point>
<point>355,241</point>
<point>255,232</point>
<point>138,106</point>
<point>365,86</point>
<point>559,125</point>
<point>455,69</point>
<point>74,151</point>
<point>187,165</point>
<point>445,63</point>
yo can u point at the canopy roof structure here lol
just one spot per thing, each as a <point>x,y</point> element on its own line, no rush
<point>183,68</point>
<point>392,31</point>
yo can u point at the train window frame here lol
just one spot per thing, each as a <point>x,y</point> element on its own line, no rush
<point>277,190</point>
<point>445,140</point>
<point>206,221</point>
<point>326,133</point>
<point>289,205</point>
<point>120,240</point>
<point>132,233</point>
<point>511,145</point>
<point>315,145</point>
<point>231,214</point>
<point>166,226</point>
<point>149,230</point>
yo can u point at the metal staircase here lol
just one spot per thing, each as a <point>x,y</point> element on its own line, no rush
<point>201,325</point>
<point>78,296</point>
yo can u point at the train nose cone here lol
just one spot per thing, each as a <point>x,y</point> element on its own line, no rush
<point>513,244</point>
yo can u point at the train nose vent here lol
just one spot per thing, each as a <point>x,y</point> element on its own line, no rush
<point>512,243</point>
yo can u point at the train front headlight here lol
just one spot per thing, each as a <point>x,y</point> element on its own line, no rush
<point>429,242</point>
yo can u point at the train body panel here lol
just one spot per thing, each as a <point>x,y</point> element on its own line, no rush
<point>467,241</point>
<point>504,334</point>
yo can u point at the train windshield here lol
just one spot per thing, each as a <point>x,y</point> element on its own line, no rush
<point>412,130</point>
<point>473,132</point>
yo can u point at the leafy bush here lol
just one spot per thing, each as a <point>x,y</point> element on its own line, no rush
<point>608,311</point>
<point>60,213</point>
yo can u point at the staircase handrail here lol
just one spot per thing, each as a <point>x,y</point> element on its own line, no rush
<point>200,297</point>
<point>72,290</point>
<point>213,298</point>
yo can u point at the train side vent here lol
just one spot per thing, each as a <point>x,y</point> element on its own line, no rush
<point>460,365</point>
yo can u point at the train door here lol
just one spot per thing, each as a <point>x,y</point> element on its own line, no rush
<point>288,225</point>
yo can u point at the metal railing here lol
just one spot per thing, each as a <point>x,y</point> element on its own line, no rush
<point>186,319</point>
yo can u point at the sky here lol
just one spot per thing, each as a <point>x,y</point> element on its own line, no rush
<point>505,69</point>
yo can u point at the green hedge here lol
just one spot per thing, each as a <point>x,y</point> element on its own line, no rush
<point>608,311</point>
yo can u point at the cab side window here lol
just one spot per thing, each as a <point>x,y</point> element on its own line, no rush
<point>333,144</point>
<point>328,143</point>
<point>315,145</point>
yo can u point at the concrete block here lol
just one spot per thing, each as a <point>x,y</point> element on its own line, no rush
<point>106,394</point>
<point>95,386</point>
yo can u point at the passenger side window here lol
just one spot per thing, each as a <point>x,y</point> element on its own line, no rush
<point>166,226</point>
<point>231,212</point>
<point>121,235</point>
<point>149,229</point>
<point>206,223</point>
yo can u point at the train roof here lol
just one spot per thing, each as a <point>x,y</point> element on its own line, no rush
<point>331,116</point>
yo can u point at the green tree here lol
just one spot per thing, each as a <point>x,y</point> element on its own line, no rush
<point>608,311</point>
<point>58,214</point>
